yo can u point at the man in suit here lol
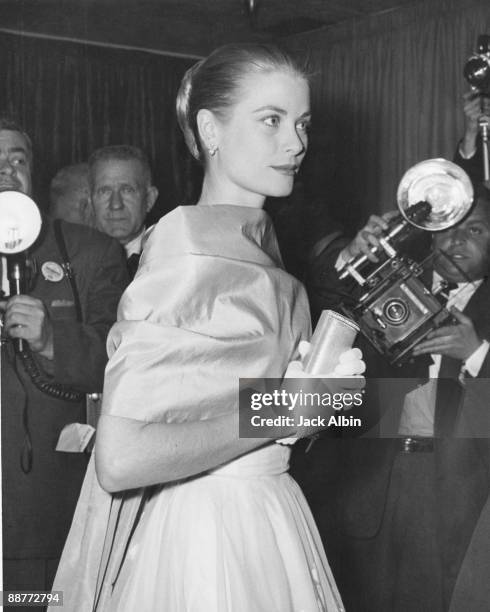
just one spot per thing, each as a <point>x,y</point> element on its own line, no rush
<point>397,513</point>
<point>122,194</point>
<point>63,319</point>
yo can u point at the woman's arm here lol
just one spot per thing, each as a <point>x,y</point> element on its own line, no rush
<point>132,454</point>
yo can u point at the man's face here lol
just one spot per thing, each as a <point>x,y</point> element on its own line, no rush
<point>467,244</point>
<point>15,166</point>
<point>73,203</point>
<point>121,197</point>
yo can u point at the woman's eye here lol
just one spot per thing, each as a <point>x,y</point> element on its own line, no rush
<point>475,230</point>
<point>304,126</point>
<point>19,161</point>
<point>272,121</point>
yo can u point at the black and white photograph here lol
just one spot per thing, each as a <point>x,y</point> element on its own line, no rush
<point>244,328</point>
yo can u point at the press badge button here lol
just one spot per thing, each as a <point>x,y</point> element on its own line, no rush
<point>52,271</point>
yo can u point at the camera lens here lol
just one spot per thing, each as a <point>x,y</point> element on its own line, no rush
<point>396,311</point>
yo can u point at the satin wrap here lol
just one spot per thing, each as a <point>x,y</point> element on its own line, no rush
<point>210,303</point>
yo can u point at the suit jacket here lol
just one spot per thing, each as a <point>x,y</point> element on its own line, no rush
<point>472,588</point>
<point>38,506</point>
<point>472,166</point>
<point>347,481</point>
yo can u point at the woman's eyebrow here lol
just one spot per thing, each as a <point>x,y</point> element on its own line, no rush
<point>276,109</point>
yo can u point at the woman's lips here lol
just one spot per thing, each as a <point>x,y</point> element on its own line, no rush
<point>286,169</point>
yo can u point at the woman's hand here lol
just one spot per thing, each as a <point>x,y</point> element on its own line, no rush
<point>345,380</point>
<point>350,364</point>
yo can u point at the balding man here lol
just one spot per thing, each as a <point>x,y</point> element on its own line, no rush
<point>122,194</point>
<point>69,195</point>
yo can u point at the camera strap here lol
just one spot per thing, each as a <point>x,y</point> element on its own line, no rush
<point>67,267</point>
<point>55,390</point>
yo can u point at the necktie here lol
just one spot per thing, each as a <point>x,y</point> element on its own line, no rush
<point>451,286</point>
<point>449,389</point>
<point>449,393</point>
<point>132,264</point>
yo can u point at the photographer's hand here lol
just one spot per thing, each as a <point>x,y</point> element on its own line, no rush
<point>459,341</point>
<point>27,318</point>
<point>368,237</point>
<point>475,107</point>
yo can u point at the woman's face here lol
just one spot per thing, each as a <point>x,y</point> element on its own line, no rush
<point>263,139</point>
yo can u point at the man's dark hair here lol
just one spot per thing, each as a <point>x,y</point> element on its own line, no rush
<point>122,153</point>
<point>481,199</point>
<point>9,123</point>
<point>481,193</point>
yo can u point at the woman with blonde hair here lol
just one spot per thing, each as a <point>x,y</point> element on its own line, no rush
<point>199,519</point>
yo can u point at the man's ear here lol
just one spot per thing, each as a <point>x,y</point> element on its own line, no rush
<point>207,128</point>
<point>151,197</point>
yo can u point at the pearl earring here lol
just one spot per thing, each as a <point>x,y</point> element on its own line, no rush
<point>212,150</point>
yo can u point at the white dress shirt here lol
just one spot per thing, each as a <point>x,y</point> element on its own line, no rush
<point>134,246</point>
<point>417,417</point>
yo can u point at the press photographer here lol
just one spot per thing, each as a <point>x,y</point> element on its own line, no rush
<point>405,507</point>
<point>68,348</point>
<point>472,151</point>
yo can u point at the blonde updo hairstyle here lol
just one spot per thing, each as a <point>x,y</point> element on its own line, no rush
<point>214,84</point>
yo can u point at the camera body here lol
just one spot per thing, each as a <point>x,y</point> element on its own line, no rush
<point>393,303</point>
<point>477,68</point>
<point>395,309</point>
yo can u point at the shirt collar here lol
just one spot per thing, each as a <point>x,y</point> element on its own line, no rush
<point>437,279</point>
<point>134,245</point>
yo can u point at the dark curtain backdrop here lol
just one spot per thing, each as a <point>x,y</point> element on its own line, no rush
<point>387,93</point>
<point>73,98</point>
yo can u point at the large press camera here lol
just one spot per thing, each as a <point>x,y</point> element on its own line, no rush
<point>392,304</point>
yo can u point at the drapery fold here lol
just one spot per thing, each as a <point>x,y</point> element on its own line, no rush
<point>210,303</point>
<point>72,98</point>
<point>387,94</point>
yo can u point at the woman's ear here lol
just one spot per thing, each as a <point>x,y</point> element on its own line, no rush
<point>208,130</point>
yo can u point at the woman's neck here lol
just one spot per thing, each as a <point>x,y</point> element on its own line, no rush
<point>215,192</point>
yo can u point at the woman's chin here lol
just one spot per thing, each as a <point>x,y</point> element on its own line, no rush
<point>280,192</point>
